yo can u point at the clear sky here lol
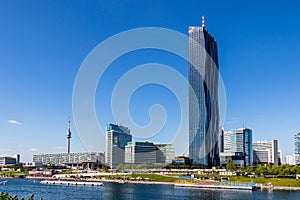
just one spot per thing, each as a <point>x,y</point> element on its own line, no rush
<point>43,43</point>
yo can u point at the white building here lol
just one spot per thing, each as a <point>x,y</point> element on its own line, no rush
<point>290,159</point>
<point>70,159</point>
<point>265,152</point>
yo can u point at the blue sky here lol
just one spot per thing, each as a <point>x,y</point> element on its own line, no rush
<point>43,44</point>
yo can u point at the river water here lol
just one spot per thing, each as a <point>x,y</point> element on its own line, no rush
<point>25,187</point>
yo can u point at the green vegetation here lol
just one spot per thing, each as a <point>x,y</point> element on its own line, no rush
<point>6,196</point>
<point>281,170</point>
<point>230,165</point>
<point>263,180</point>
<point>180,167</point>
<point>156,177</point>
<point>142,177</point>
<point>11,173</point>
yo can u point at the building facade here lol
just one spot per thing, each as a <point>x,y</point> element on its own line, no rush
<point>165,153</point>
<point>182,160</point>
<point>6,160</point>
<point>69,158</point>
<point>280,157</point>
<point>236,157</point>
<point>239,141</point>
<point>290,159</point>
<point>265,152</point>
<point>148,153</point>
<point>297,148</point>
<point>117,138</point>
<point>203,98</point>
<point>140,152</point>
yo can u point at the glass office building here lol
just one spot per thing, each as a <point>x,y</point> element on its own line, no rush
<point>117,138</point>
<point>240,141</point>
<point>203,106</point>
<point>140,152</point>
<point>297,148</point>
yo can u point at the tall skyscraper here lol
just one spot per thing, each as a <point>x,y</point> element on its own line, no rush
<point>297,148</point>
<point>203,107</point>
<point>117,138</point>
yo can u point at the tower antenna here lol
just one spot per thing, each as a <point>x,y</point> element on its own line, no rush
<point>203,21</point>
<point>69,135</point>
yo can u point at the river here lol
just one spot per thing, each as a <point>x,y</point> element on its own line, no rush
<point>25,187</point>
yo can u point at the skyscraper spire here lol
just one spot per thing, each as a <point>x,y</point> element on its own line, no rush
<point>203,21</point>
<point>69,134</point>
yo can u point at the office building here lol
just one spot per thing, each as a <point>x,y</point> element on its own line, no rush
<point>265,152</point>
<point>148,153</point>
<point>236,157</point>
<point>221,140</point>
<point>239,141</point>
<point>71,159</point>
<point>7,160</point>
<point>140,152</point>
<point>165,153</point>
<point>290,159</point>
<point>297,148</point>
<point>117,138</point>
<point>203,98</point>
<point>280,157</point>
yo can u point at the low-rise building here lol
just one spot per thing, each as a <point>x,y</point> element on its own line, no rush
<point>140,152</point>
<point>10,160</point>
<point>71,159</point>
<point>182,160</point>
<point>148,152</point>
<point>237,157</point>
<point>32,164</point>
<point>44,173</point>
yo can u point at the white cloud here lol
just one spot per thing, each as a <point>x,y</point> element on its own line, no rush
<point>12,121</point>
<point>59,147</point>
<point>33,149</point>
<point>6,152</point>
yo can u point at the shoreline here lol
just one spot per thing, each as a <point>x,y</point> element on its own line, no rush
<point>282,188</point>
<point>285,188</point>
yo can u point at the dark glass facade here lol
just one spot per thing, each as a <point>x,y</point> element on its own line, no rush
<point>203,98</point>
<point>117,138</point>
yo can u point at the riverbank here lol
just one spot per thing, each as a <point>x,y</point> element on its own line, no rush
<point>133,182</point>
<point>276,183</point>
<point>280,188</point>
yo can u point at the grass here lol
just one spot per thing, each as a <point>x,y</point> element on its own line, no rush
<point>261,180</point>
<point>174,178</point>
<point>156,177</point>
<point>5,173</point>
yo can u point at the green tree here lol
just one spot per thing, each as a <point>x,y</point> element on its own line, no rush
<point>230,165</point>
<point>262,171</point>
<point>105,167</point>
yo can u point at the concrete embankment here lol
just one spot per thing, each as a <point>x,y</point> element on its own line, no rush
<point>279,188</point>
